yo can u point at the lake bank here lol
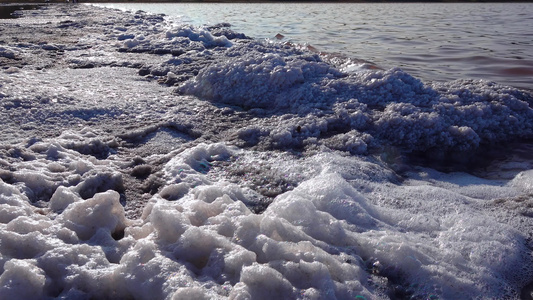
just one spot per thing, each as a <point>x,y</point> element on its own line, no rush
<point>145,159</point>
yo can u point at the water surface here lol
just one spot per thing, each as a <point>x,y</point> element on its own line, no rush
<point>436,42</point>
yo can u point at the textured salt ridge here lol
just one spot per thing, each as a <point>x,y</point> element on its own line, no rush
<point>378,107</point>
<point>368,108</point>
<point>348,228</point>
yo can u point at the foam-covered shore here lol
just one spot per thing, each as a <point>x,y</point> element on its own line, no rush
<point>151,160</point>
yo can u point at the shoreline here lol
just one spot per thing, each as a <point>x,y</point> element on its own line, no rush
<point>131,167</point>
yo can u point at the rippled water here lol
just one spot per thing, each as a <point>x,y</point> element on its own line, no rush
<point>433,41</point>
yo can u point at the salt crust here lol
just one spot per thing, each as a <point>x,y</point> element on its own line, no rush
<point>314,241</point>
<point>347,222</point>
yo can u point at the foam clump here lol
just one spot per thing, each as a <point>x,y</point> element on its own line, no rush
<point>49,166</point>
<point>103,209</point>
<point>329,193</point>
<point>13,203</point>
<point>524,181</point>
<point>200,229</point>
<point>255,80</point>
<point>198,35</point>
<point>195,161</point>
<point>22,279</point>
<point>62,198</point>
<point>253,278</point>
<point>389,105</point>
<point>157,36</point>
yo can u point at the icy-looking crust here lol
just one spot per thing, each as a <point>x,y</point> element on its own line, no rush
<point>223,213</point>
<point>323,239</point>
<point>391,106</point>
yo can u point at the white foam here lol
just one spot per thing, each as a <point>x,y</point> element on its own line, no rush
<point>299,211</point>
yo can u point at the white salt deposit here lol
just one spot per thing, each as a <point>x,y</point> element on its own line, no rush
<point>272,175</point>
